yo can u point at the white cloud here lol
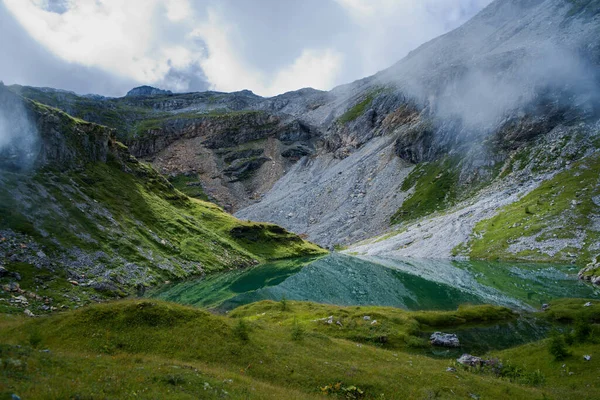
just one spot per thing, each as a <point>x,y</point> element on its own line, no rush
<point>177,42</point>
<point>388,29</point>
<point>226,71</point>
<point>313,68</point>
<point>178,10</point>
<point>116,35</point>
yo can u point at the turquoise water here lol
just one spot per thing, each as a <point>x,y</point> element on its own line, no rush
<point>408,284</point>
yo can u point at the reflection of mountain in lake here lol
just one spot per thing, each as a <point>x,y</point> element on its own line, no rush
<point>344,280</point>
<point>406,283</point>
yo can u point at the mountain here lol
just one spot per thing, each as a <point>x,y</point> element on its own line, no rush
<point>78,211</point>
<point>481,143</point>
<point>146,91</point>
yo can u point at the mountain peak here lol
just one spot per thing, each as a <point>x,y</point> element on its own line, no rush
<point>146,91</point>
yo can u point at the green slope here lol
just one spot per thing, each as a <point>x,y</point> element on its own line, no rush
<point>93,214</point>
<point>149,349</point>
<point>560,217</point>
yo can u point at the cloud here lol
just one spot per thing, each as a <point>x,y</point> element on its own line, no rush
<point>19,138</point>
<point>268,46</point>
<point>227,71</point>
<point>116,36</point>
<point>388,29</point>
<point>26,61</point>
<point>314,68</point>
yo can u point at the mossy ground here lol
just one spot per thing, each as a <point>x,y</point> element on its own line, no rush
<point>435,188</point>
<point>149,349</point>
<point>393,328</point>
<point>359,108</point>
<point>191,186</point>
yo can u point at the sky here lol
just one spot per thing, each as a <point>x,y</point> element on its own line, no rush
<point>268,46</point>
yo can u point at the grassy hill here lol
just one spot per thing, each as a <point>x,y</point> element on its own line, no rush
<point>269,350</point>
<point>93,220</point>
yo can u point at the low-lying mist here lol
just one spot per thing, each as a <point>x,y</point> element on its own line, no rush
<point>503,64</point>
<point>484,94</point>
<point>19,137</point>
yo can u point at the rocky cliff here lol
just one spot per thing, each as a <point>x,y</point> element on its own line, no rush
<point>484,134</point>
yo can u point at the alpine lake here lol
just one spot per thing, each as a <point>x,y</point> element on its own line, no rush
<point>410,284</point>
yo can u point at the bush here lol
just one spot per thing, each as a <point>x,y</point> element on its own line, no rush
<point>241,330</point>
<point>583,329</point>
<point>512,372</point>
<point>535,378</point>
<point>283,303</point>
<point>35,338</point>
<point>558,347</point>
<point>297,331</point>
<point>569,339</point>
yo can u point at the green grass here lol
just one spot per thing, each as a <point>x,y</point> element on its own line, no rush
<point>149,349</point>
<point>569,310</point>
<point>435,188</point>
<point>142,210</point>
<point>547,212</point>
<point>358,109</point>
<point>189,185</point>
<point>394,329</point>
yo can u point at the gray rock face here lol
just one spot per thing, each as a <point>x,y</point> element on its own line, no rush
<point>146,91</point>
<point>444,339</point>
<point>515,73</point>
<point>337,201</point>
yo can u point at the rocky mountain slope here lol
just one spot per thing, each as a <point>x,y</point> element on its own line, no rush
<point>80,215</point>
<point>481,143</point>
<point>493,130</point>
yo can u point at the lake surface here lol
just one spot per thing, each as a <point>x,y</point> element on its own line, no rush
<point>405,283</point>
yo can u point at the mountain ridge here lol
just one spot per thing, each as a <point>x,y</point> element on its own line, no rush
<point>394,148</point>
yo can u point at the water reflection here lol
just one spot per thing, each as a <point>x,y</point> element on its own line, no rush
<point>406,283</point>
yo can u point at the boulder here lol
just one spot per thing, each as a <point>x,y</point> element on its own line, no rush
<point>470,361</point>
<point>444,339</point>
<point>591,272</point>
